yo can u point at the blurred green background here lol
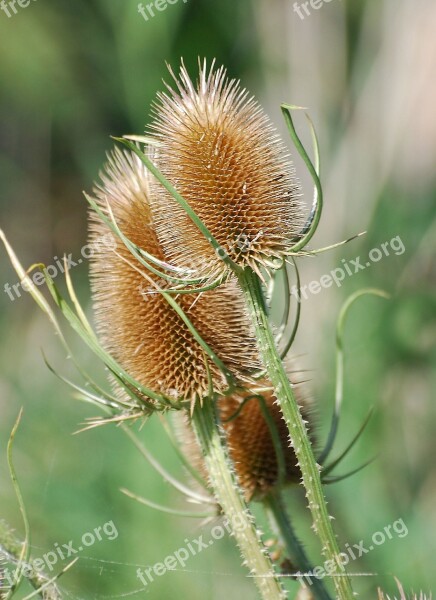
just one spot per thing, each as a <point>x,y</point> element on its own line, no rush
<point>74,73</point>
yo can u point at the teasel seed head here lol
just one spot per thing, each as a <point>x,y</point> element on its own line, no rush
<point>251,444</point>
<point>135,322</point>
<point>217,147</point>
<point>249,439</point>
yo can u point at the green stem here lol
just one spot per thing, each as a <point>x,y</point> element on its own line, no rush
<point>294,548</point>
<point>310,470</point>
<point>232,502</point>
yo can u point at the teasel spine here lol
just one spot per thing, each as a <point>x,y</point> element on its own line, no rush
<point>403,596</point>
<point>286,472</point>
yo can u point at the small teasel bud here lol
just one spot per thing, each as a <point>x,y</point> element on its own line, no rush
<point>403,596</point>
<point>251,444</point>
<point>221,153</point>
<point>250,441</point>
<point>135,322</point>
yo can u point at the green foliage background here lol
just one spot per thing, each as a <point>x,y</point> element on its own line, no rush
<point>72,74</point>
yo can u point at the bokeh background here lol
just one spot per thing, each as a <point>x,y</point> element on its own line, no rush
<point>73,73</point>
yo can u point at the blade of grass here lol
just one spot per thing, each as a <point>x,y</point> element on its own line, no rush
<point>165,509</point>
<point>25,550</point>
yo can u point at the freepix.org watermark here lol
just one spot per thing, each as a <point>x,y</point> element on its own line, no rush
<point>304,9</point>
<point>48,560</point>
<point>179,558</point>
<point>353,552</point>
<point>148,11</point>
<point>10,8</point>
<point>53,270</point>
<point>349,268</point>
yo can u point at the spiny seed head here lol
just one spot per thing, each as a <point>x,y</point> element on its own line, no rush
<point>249,440</point>
<point>220,151</point>
<point>251,444</point>
<point>136,324</point>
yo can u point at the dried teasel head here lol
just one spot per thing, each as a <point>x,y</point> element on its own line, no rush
<point>217,147</point>
<point>136,324</point>
<point>249,439</point>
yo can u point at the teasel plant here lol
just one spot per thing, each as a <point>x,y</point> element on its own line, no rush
<point>193,225</point>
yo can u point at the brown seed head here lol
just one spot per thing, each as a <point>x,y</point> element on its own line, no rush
<point>249,440</point>
<point>220,151</point>
<point>251,444</point>
<point>136,324</point>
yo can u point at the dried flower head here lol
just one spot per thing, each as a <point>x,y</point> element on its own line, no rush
<point>250,441</point>
<point>136,324</point>
<point>251,444</point>
<point>217,147</point>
